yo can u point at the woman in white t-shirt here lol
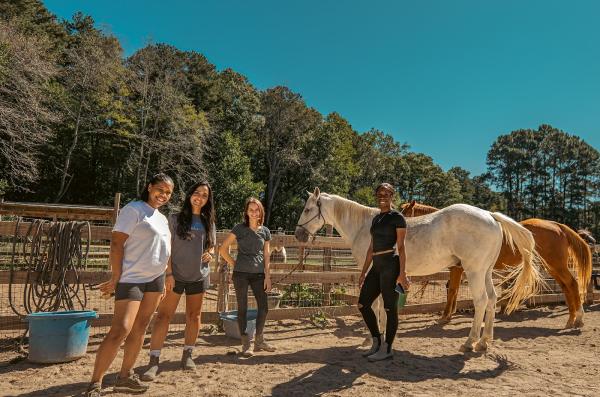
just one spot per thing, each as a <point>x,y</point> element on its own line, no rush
<point>139,251</point>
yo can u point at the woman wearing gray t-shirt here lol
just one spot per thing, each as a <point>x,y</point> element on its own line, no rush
<point>193,240</point>
<point>250,268</point>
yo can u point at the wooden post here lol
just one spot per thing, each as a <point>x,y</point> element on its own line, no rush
<point>327,267</point>
<point>116,205</point>
<point>301,258</point>
<point>223,287</point>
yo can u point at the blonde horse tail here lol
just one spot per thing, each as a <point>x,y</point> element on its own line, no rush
<point>525,280</point>
<point>581,255</point>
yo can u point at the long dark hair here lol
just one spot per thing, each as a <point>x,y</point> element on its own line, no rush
<point>260,207</point>
<point>160,177</point>
<point>207,216</point>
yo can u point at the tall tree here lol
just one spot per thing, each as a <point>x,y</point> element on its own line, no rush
<point>288,124</point>
<point>91,63</point>
<point>231,178</point>
<point>26,75</point>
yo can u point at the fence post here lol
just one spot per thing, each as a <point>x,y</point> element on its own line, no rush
<point>116,205</point>
<point>327,267</point>
<point>301,258</point>
<point>223,287</point>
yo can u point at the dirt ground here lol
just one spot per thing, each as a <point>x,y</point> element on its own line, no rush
<point>532,356</point>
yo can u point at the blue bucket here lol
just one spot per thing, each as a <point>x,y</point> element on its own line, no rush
<point>230,324</point>
<point>58,337</point>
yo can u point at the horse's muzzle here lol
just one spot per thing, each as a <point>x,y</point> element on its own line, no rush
<point>301,234</point>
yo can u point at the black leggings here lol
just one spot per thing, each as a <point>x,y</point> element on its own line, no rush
<point>241,281</point>
<point>381,279</point>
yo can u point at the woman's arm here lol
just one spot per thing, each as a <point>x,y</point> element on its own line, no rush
<point>224,249</point>
<point>169,279</point>
<point>267,256</point>
<point>368,260</point>
<point>115,257</point>
<point>402,278</point>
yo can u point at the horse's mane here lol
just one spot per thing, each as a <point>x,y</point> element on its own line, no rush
<point>352,210</point>
<point>416,209</point>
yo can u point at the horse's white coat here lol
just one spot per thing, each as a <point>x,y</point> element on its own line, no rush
<point>433,242</point>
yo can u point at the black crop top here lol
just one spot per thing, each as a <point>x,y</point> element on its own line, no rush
<point>383,230</point>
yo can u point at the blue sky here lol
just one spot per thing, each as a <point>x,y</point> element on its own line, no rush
<point>446,77</point>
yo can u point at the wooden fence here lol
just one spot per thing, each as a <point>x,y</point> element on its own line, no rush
<point>324,273</point>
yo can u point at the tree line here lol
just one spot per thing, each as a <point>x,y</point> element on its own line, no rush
<point>79,122</point>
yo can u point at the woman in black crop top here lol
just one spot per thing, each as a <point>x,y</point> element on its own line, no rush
<point>388,230</point>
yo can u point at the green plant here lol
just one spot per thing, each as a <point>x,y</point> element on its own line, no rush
<point>319,319</point>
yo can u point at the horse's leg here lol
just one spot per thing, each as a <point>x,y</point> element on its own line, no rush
<point>452,294</point>
<point>570,289</point>
<point>490,313</point>
<point>476,281</point>
<point>571,292</point>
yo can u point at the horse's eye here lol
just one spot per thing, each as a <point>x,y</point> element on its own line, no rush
<point>306,210</point>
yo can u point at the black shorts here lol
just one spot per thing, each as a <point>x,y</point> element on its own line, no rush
<point>190,288</point>
<point>135,291</point>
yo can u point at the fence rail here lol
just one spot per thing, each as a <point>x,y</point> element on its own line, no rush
<point>325,267</point>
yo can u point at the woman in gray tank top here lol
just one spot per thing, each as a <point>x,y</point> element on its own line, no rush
<point>192,245</point>
<point>250,269</point>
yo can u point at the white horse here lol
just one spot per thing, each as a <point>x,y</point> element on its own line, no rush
<point>458,233</point>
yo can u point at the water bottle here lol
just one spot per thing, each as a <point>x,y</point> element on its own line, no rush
<point>401,295</point>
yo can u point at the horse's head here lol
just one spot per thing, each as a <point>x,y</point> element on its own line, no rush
<point>311,220</point>
<point>413,208</point>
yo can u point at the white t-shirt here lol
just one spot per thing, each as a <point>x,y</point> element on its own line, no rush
<point>148,247</point>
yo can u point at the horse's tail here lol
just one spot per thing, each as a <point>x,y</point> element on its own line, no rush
<point>525,279</point>
<point>581,255</point>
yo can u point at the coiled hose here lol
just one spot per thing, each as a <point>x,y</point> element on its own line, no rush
<point>54,253</point>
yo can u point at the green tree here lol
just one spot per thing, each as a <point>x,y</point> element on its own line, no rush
<point>26,75</point>
<point>231,178</point>
<point>288,125</point>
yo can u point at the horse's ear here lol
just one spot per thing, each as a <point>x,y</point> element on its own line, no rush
<point>317,192</point>
<point>309,193</point>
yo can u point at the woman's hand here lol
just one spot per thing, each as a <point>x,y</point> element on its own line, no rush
<point>108,287</point>
<point>207,257</point>
<point>267,283</point>
<point>404,281</point>
<point>169,283</point>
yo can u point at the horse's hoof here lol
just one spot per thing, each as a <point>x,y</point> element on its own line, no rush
<point>570,324</point>
<point>467,347</point>
<point>443,320</point>
<point>578,324</point>
<point>481,346</point>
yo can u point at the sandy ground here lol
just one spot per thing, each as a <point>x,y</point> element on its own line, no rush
<point>532,355</point>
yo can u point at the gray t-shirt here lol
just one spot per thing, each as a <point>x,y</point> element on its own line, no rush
<point>186,255</point>
<point>250,256</point>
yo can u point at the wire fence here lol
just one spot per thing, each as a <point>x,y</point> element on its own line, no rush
<point>320,278</point>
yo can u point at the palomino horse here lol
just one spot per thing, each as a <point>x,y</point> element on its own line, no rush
<point>459,233</point>
<point>556,243</point>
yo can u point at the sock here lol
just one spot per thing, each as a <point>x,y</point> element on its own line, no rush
<point>155,353</point>
<point>187,347</point>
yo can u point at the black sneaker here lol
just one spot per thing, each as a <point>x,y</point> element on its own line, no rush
<point>131,384</point>
<point>94,390</point>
